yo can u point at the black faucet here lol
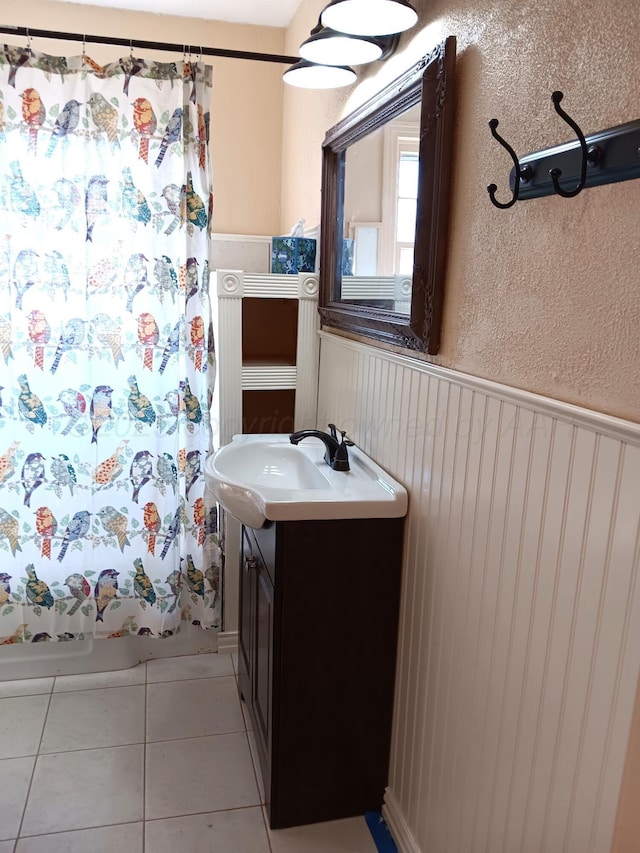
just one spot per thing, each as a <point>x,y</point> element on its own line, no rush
<point>336,454</point>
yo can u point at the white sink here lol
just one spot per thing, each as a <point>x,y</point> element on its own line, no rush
<point>260,477</point>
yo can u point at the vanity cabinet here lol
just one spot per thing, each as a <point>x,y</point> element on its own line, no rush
<point>319,605</point>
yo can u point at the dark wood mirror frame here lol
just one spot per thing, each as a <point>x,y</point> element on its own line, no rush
<point>429,82</point>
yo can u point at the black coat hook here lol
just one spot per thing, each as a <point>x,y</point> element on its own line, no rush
<point>554,174</point>
<point>523,174</point>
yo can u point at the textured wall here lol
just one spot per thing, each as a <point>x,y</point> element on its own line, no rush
<point>246,106</point>
<point>542,296</point>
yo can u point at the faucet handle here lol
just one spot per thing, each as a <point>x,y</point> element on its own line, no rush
<point>346,441</point>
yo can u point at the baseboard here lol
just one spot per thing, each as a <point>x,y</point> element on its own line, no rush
<point>227,642</point>
<point>398,826</point>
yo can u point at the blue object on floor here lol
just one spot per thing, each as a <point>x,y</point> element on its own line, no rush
<point>381,835</point>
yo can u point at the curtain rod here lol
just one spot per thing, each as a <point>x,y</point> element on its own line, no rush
<point>28,33</point>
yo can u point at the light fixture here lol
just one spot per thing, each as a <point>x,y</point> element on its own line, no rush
<point>309,75</point>
<point>329,47</point>
<point>369,17</point>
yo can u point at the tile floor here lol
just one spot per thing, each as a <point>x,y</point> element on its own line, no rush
<point>155,759</point>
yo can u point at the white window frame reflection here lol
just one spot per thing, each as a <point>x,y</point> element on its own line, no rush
<point>400,137</point>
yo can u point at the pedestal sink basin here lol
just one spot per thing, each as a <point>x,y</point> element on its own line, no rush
<point>260,477</point>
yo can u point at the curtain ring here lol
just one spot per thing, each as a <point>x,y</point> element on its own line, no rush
<point>131,48</point>
<point>84,45</point>
<point>28,41</point>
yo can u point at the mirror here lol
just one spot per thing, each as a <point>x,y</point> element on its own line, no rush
<point>385,188</point>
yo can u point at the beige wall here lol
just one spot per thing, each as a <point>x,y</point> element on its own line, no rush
<point>246,109</point>
<point>543,296</point>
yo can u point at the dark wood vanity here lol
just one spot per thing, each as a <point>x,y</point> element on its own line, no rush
<point>319,605</point>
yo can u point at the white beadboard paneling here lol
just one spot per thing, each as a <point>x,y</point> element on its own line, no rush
<point>519,644</point>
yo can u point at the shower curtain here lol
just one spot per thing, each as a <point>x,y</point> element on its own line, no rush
<point>106,349</point>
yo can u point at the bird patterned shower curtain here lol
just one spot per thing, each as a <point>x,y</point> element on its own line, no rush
<point>106,350</point>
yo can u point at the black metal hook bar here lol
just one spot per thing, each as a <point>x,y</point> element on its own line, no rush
<point>555,174</point>
<point>520,174</point>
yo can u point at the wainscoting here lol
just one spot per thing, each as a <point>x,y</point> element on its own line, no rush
<point>519,646</point>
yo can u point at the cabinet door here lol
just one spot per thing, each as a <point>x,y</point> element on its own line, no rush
<point>263,672</point>
<point>247,618</point>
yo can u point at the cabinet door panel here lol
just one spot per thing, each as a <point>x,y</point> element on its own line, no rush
<point>247,618</point>
<point>263,657</point>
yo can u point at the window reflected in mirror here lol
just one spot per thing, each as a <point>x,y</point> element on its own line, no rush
<point>380,198</point>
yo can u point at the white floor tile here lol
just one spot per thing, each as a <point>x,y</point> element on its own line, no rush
<point>189,666</point>
<point>93,680</point>
<point>339,836</point>
<point>22,723</point>
<point>237,831</point>
<point>7,846</point>
<point>95,718</point>
<point>26,687</point>
<point>199,775</point>
<point>78,790</point>
<point>15,775</point>
<point>107,839</point>
<point>206,706</point>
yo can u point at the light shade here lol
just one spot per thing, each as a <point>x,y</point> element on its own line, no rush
<point>308,75</point>
<point>369,17</point>
<point>329,47</point>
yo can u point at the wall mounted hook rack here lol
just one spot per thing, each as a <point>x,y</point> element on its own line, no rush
<point>606,157</point>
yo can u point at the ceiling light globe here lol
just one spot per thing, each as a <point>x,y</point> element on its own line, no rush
<point>307,75</point>
<point>369,17</point>
<point>339,49</point>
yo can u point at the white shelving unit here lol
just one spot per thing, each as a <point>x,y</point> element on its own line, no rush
<point>238,374</point>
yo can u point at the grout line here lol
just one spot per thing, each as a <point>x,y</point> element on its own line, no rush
<point>33,771</point>
<point>208,811</point>
<point>80,829</point>
<point>116,686</point>
<point>132,743</point>
<point>22,681</point>
<point>241,731</point>
<point>91,748</point>
<point>148,820</point>
<point>144,760</point>
<point>92,689</point>
<point>195,678</point>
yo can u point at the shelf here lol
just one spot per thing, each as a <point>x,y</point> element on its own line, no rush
<point>267,411</point>
<point>269,329</point>
<point>268,376</point>
<point>267,361</point>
